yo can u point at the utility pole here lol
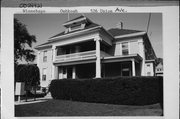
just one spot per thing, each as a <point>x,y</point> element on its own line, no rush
<point>148,22</point>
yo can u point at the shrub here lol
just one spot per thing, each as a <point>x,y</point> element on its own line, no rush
<point>115,90</point>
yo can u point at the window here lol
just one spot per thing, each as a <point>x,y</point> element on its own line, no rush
<point>45,56</point>
<point>75,27</point>
<point>148,73</point>
<point>44,74</point>
<point>60,51</point>
<point>125,50</point>
<point>64,70</point>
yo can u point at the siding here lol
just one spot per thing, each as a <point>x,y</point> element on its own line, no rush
<point>149,69</point>
<point>134,47</point>
<point>47,65</point>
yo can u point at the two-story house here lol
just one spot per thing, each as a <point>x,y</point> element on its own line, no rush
<point>86,50</point>
<point>159,69</point>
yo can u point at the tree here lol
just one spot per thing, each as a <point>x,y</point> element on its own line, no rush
<point>159,60</point>
<point>22,43</point>
<point>28,73</point>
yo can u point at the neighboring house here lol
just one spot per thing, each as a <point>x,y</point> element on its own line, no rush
<point>86,50</point>
<point>159,69</point>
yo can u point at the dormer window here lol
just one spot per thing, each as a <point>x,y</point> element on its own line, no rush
<point>75,27</point>
<point>76,24</point>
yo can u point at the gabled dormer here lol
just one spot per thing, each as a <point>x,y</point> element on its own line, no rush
<point>76,24</point>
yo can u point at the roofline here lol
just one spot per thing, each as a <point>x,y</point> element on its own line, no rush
<point>108,33</point>
<point>70,22</point>
<point>131,35</point>
<point>146,35</point>
<point>69,34</point>
<point>152,60</point>
<point>121,56</point>
<point>41,46</point>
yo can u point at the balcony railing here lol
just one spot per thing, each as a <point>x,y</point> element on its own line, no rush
<point>76,56</point>
<point>79,56</point>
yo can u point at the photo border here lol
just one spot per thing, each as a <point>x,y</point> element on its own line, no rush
<point>171,60</point>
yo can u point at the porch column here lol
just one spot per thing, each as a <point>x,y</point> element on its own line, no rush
<point>98,58</point>
<point>133,68</point>
<point>53,53</point>
<point>73,72</point>
<point>142,54</point>
<point>55,72</point>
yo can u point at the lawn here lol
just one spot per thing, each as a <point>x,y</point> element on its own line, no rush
<point>51,107</point>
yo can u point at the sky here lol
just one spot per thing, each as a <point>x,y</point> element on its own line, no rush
<point>44,26</point>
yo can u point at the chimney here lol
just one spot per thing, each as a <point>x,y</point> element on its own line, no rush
<point>120,25</point>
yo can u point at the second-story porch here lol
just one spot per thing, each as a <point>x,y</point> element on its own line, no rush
<point>88,50</point>
<point>79,52</point>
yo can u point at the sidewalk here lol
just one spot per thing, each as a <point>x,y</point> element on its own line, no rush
<point>31,100</point>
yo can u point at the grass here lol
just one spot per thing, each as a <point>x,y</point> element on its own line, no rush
<point>53,107</point>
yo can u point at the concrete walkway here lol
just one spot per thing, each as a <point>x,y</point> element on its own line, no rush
<point>31,100</point>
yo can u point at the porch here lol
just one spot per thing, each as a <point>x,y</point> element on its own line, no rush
<point>130,65</point>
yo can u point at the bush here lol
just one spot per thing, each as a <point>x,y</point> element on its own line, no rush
<point>115,90</point>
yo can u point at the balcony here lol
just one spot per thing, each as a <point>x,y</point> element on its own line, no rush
<point>78,56</point>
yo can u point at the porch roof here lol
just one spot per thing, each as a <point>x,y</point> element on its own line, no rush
<point>108,59</point>
<point>121,58</point>
<point>75,61</point>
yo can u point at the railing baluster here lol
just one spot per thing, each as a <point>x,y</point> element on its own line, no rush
<point>75,55</point>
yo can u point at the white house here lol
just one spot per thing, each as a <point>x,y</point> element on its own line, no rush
<point>86,50</point>
<point>159,69</point>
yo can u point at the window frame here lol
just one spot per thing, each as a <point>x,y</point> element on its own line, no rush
<point>125,50</point>
<point>45,56</point>
<point>44,74</point>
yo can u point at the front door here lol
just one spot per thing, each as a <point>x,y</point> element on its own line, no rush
<point>69,72</point>
<point>126,69</point>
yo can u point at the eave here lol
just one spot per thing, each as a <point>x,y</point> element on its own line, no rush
<point>73,34</point>
<point>130,35</point>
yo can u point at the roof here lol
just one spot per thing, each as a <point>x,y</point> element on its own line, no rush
<point>114,32</point>
<point>118,32</point>
<point>88,26</point>
<point>75,18</point>
<point>160,65</point>
<point>44,44</point>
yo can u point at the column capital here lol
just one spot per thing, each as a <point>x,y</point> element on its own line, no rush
<point>140,41</point>
<point>97,38</point>
<point>54,47</point>
<point>132,60</point>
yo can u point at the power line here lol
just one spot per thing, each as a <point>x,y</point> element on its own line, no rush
<point>148,22</point>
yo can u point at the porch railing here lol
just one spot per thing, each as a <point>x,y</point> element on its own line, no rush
<point>76,56</point>
<point>79,56</point>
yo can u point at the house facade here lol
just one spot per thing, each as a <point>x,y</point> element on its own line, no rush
<point>86,50</point>
<point>159,69</point>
